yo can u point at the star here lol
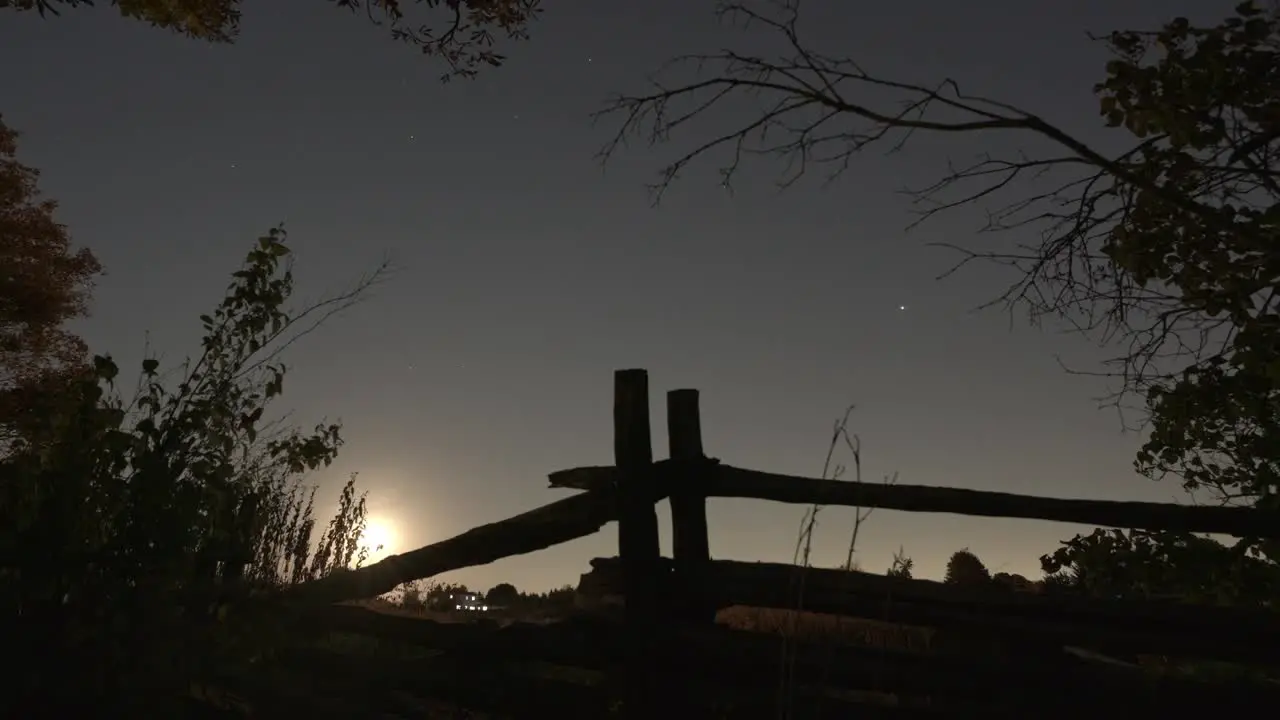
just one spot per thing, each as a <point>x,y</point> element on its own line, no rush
<point>902,307</point>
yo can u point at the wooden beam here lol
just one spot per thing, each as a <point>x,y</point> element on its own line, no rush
<point>1056,685</point>
<point>688,505</point>
<point>689,543</point>
<point>372,684</point>
<point>552,524</point>
<point>638,546</point>
<point>717,655</point>
<point>1148,627</point>
<point>589,477</point>
<point>633,454</point>
<point>420,631</point>
<point>728,481</point>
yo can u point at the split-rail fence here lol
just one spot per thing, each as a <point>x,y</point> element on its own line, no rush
<point>663,655</point>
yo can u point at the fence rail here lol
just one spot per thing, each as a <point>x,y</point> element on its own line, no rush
<point>670,603</point>
<point>726,481</point>
<point>751,662</point>
<point>1121,626</point>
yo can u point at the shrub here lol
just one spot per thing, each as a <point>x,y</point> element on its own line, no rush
<point>128,525</point>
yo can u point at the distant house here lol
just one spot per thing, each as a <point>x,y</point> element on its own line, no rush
<point>469,601</point>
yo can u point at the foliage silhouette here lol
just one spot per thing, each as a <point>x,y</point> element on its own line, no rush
<point>901,566</point>
<point>129,526</point>
<point>461,32</point>
<point>43,284</point>
<point>411,597</point>
<point>1116,563</point>
<point>439,596</point>
<point>964,568</point>
<point>502,594</point>
<point>560,598</point>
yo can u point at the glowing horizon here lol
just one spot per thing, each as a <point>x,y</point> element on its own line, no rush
<point>379,537</point>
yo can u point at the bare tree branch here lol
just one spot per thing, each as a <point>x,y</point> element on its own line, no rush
<point>816,112</point>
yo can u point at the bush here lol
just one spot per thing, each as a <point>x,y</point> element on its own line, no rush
<point>129,526</point>
<point>964,568</point>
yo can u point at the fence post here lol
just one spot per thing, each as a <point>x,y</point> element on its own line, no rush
<point>690,548</point>
<point>637,538</point>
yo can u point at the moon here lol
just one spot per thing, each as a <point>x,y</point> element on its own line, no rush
<point>379,536</point>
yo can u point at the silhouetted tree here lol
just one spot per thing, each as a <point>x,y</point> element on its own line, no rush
<point>1166,247</point>
<point>1118,563</point>
<point>561,598</point>
<point>43,284</point>
<point>461,32</point>
<point>412,597</point>
<point>964,568</point>
<point>503,594</point>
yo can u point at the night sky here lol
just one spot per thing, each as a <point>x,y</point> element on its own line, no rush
<point>526,274</point>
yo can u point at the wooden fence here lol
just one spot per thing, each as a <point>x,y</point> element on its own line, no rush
<point>668,657</point>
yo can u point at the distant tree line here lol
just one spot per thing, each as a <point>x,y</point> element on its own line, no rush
<point>441,597</point>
